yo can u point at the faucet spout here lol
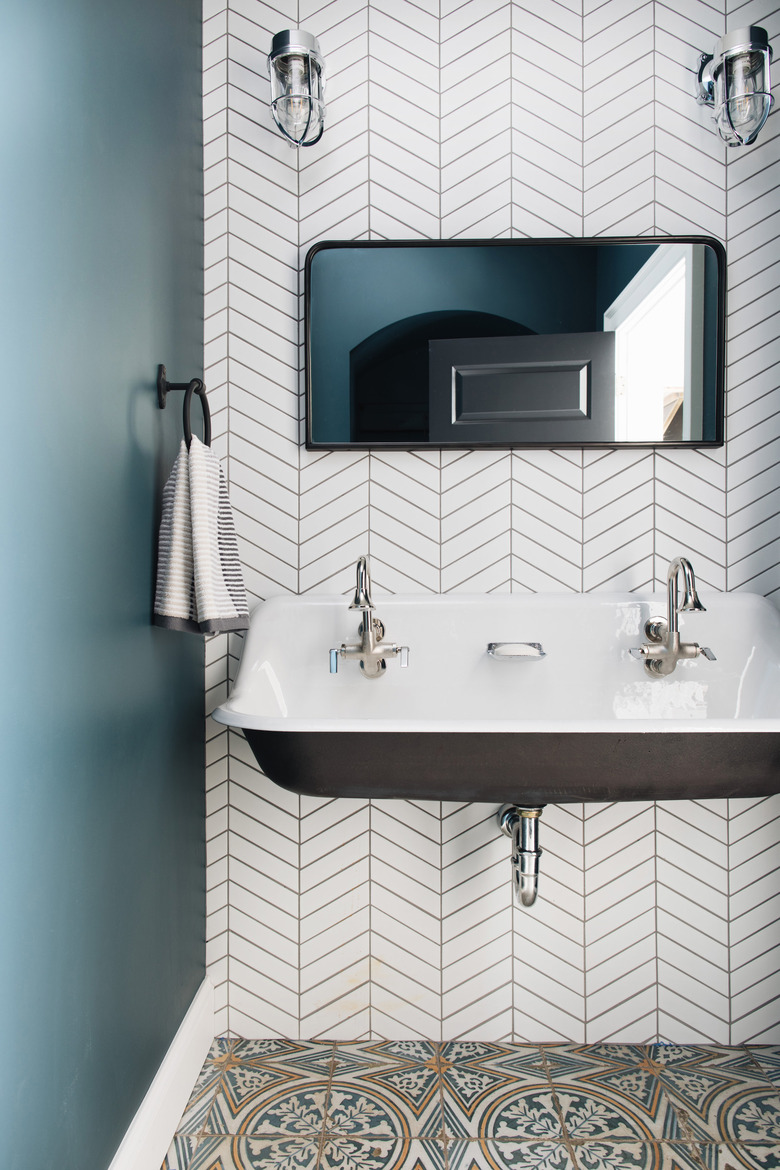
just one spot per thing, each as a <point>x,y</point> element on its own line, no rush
<point>362,598</point>
<point>690,600</point>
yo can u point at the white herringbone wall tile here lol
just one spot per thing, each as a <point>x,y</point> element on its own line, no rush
<point>475,521</point>
<point>618,60</point>
<point>547,108</point>
<point>619,520</point>
<point>483,119</point>
<point>475,102</point>
<point>549,937</point>
<point>547,503</point>
<point>620,926</point>
<point>404,521</point>
<point>334,918</point>
<point>754,912</point>
<point>476,956</point>
<point>693,921</point>
<point>406,919</point>
<point>265,906</point>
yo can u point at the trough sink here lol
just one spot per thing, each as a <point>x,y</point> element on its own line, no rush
<point>583,722</point>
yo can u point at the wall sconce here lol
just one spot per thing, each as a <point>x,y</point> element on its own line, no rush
<point>735,81</point>
<point>296,67</point>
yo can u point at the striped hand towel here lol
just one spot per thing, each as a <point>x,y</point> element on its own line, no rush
<point>199,582</point>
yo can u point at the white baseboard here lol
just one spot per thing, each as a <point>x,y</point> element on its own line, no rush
<point>151,1131</point>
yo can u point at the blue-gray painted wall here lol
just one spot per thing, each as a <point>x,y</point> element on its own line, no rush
<point>101,760</point>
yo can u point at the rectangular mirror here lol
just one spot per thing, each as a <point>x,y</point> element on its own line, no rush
<point>515,343</point>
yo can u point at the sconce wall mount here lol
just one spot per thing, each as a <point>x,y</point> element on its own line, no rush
<point>734,81</point>
<point>296,69</point>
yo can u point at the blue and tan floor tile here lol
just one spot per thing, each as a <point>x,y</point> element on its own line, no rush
<point>464,1105</point>
<point>394,1092</point>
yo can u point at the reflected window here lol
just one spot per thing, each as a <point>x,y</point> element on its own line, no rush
<point>658,321</point>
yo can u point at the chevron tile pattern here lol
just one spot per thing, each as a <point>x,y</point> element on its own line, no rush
<point>620,921</point>
<point>477,959</point>
<point>692,900</point>
<point>549,962</point>
<point>619,148</point>
<point>358,920</point>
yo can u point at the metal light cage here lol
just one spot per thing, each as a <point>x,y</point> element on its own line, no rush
<point>295,66</point>
<point>734,80</point>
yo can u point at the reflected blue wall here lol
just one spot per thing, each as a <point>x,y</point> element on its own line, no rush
<point>101,844</point>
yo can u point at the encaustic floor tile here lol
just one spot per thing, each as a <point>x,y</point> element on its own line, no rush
<point>334,1153</point>
<point>768,1059</point>
<point>250,1105</point>
<point>386,1090</point>
<point>474,1076</point>
<point>508,1155</point>
<point>719,1094</point>
<point>527,1112</point>
<point>640,1156</point>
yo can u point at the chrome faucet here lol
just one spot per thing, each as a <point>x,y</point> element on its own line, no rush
<point>663,649</point>
<point>371,631</point>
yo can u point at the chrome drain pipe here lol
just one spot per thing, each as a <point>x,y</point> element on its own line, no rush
<point>521,823</point>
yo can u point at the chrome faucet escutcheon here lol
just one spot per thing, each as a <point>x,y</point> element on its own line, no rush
<point>663,648</point>
<point>370,650</point>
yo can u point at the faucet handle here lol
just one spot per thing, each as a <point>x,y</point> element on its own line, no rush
<point>705,650</point>
<point>404,655</point>
<point>334,660</point>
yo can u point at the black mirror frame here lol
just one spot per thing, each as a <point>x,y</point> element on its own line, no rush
<point>555,241</point>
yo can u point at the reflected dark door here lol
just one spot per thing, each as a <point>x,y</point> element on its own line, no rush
<point>557,388</point>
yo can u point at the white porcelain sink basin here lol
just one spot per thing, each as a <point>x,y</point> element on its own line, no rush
<point>583,722</point>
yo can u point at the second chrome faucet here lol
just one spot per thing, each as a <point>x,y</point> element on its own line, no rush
<point>663,649</point>
<point>370,650</point>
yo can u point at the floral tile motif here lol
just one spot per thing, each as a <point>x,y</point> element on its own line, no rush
<point>591,1114</point>
<point>620,1077</point>
<point>750,1156</point>
<point>244,1153</point>
<point>179,1156</point>
<point>519,1112</point>
<point>641,1155</point>
<point>349,1153</point>
<point>768,1058</point>
<point>506,1155</point>
<point>718,1093</point>
<point>472,1073</point>
<point>250,1106</point>
<point>390,1090</point>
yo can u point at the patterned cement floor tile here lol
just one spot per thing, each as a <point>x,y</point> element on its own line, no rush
<point>508,1155</point>
<point>246,1153</point>
<point>638,1155</point>
<point>718,1094</point>
<point>747,1157</point>
<point>251,1105</point>
<point>575,1061</point>
<point>179,1156</point>
<point>593,1114</point>
<point>294,1059</point>
<point>617,1087</point>
<point>349,1153</point>
<point>356,1056</point>
<point>523,1112</point>
<point>472,1073</point>
<point>768,1058</point>
<point>411,1108</point>
<point>387,1090</point>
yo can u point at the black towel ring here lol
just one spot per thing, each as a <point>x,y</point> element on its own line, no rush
<point>196,386</point>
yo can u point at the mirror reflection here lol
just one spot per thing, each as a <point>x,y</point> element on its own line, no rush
<point>515,343</point>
